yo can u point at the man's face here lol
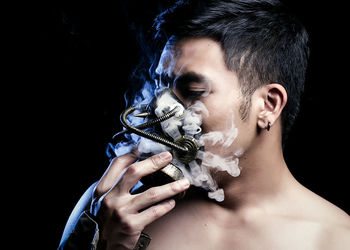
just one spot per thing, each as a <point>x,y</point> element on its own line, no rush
<point>198,72</point>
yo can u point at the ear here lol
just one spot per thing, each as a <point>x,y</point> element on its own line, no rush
<point>274,98</point>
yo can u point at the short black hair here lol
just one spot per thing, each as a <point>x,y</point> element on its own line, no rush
<point>262,40</point>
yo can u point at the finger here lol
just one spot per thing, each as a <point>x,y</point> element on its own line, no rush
<point>157,194</point>
<point>139,169</point>
<point>113,173</point>
<point>155,212</point>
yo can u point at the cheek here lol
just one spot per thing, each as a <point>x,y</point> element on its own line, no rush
<point>247,132</point>
<point>224,117</point>
<point>222,114</point>
<point>214,122</point>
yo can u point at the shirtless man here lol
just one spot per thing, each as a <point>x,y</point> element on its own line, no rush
<point>250,58</point>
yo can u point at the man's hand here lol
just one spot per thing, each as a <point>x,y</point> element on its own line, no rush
<point>123,216</point>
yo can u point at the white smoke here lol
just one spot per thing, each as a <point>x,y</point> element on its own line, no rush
<point>190,121</point>
<point>221,139</point>
<point>201,175</point>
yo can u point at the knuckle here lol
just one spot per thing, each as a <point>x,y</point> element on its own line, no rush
<point>156,211</point>
<point>133,170</point>
<point>108,203</point>
<point>129,225</point>
<point>115,207</point>
<point>126,224</point>
<point>152,194</point>
<point>156,162</point>
<point>118,213</point>
<point>174,187</point>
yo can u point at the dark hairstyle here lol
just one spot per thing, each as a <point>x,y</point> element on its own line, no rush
<point>262,41</point>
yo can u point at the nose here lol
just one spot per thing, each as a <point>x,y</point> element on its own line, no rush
<point>179,97</point>
<point>177,94</point>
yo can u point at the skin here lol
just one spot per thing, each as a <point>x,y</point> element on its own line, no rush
<point>264,208</point>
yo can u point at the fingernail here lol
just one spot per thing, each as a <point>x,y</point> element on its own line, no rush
<point>185,182</point>
<point>172,202</point>
<point>164,156</point>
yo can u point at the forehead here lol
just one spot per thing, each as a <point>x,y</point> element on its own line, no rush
<point>197,54</point>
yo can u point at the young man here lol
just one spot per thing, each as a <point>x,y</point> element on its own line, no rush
<point>249,58</point>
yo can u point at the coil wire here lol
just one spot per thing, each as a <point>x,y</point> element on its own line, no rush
<point>137,129</point>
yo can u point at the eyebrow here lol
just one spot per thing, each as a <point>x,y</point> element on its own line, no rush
<point>184,78</point>
<point>189,77</point>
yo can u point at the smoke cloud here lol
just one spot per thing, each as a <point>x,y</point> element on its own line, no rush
<point>187,121</point>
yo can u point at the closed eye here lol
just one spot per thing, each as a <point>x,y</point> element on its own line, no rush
<point>189,94</point>
<point>191,85</point>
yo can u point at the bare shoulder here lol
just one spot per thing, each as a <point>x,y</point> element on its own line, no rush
<point>334,222</point>
<point>324,210</point>
<point>336,230</point>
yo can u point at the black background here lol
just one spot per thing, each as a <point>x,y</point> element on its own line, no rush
<point>81,57</point>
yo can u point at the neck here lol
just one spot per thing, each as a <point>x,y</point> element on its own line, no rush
<point>264,175</point>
